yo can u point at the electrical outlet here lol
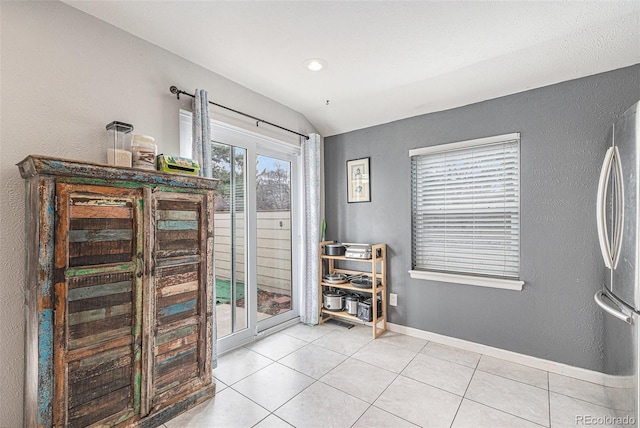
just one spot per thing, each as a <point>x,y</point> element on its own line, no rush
<point>393,299</point>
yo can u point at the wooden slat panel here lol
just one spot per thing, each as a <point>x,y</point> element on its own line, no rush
<point>178,261</point>
<point>99,199</point>
<point>177,308</point>
<point>99,302</point>
<point>165,238</point>
<point>94,235</point>
<point>177,289</point>
<point>92,246</point>
<point>175,368</point>
<point>99,260</point>
<point>88,352</point>
<point>100,362</point>
<point>100,223</point>
<point>177,275</point>
<point>79,331</point>
<point>99,248</point>
<point>180,343</point>
<point>176,312</point>
<point>95,410</point>
<point>99,290</point>
<point>175,299</point>
<point>177,237</point>
<point>176,317</point>
<point>95,339</point>
<point>178,251</point>
<point>99,212</point>
<point>102,278</point>
<point>179,332</point>
<point>177,248</point>
<point>97,368</point>
<point>103,383</point>
<point>97,314</point>
<point>176,377</point>
<point>177,343</point>
<point>177,215</point>
<point>173,205</point>
<point>177,225</point>
<point>174,354</point>
<point>172,240</point>
<point>176,363</point>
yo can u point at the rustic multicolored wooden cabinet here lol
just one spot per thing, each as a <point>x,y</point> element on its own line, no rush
<point>118,295</point>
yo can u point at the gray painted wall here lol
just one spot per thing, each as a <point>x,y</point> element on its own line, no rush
<point>563,130</point>
<point>65,75</point>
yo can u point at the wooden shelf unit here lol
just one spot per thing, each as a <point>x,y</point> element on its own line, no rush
<point>378,269</point>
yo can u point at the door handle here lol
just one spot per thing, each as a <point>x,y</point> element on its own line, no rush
<point>601,211</point>
<point>600,296</point>
<point>619,214</point>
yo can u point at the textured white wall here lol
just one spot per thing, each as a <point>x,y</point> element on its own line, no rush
<point>64,75</point>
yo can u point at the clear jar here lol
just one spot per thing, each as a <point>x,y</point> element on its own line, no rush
<point>119,143</point>
<point>144,152</point>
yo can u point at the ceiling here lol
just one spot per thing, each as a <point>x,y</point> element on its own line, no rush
<point>387,60</point>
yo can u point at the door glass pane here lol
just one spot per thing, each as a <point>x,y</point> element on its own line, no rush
<point>273,204</point>
<point>230,237</point>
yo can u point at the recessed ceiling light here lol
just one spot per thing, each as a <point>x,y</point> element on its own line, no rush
<point>315,64</point>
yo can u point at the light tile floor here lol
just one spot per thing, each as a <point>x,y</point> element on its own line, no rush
<point>330,376</point>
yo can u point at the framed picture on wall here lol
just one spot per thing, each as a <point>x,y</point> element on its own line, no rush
<point>358,180</point>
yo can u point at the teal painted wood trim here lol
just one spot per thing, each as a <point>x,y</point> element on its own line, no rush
<point>128,185</point>
<point>161,339</point>
<point>177,308</point>
<point>45,368</point>
<point>177,225</point>
<point>98,314</point>
<point>100,235</point>
<point>121,267</point>
<point>45,293</point>
<point>175,357</point>
<point>99,290</point>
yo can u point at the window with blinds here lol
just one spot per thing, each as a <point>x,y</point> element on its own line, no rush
<point>466,207</point>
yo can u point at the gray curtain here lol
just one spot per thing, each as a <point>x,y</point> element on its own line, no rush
<point>201,152</point>
<point>312,221</point>
<point>201,141</point>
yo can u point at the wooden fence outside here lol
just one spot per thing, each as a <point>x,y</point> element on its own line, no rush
<point>274,249</point>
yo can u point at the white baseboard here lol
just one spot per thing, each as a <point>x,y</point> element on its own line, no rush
<point>514,357</point>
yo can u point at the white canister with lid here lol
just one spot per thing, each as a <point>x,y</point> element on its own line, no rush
<point>144,151</point>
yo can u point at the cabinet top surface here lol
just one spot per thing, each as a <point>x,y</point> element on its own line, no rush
<point>34,165</point>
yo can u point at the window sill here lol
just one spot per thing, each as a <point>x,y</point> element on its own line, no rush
<point>505,284</point>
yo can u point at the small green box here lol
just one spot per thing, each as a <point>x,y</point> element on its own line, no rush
<point>178,165</point>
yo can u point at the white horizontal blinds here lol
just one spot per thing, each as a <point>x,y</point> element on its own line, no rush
<point>466,210</point>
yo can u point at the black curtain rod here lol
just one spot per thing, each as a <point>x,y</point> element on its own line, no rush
<point>175,90</point>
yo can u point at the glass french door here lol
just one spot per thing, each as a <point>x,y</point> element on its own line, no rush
<point>274,291</point>
<point>256,235</point>
<point>230,224</point>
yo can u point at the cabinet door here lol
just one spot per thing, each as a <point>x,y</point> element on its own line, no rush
<point>98,298</point>
<point>181,286</point>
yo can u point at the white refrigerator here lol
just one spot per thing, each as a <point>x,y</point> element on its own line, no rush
<point>618,217</point>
